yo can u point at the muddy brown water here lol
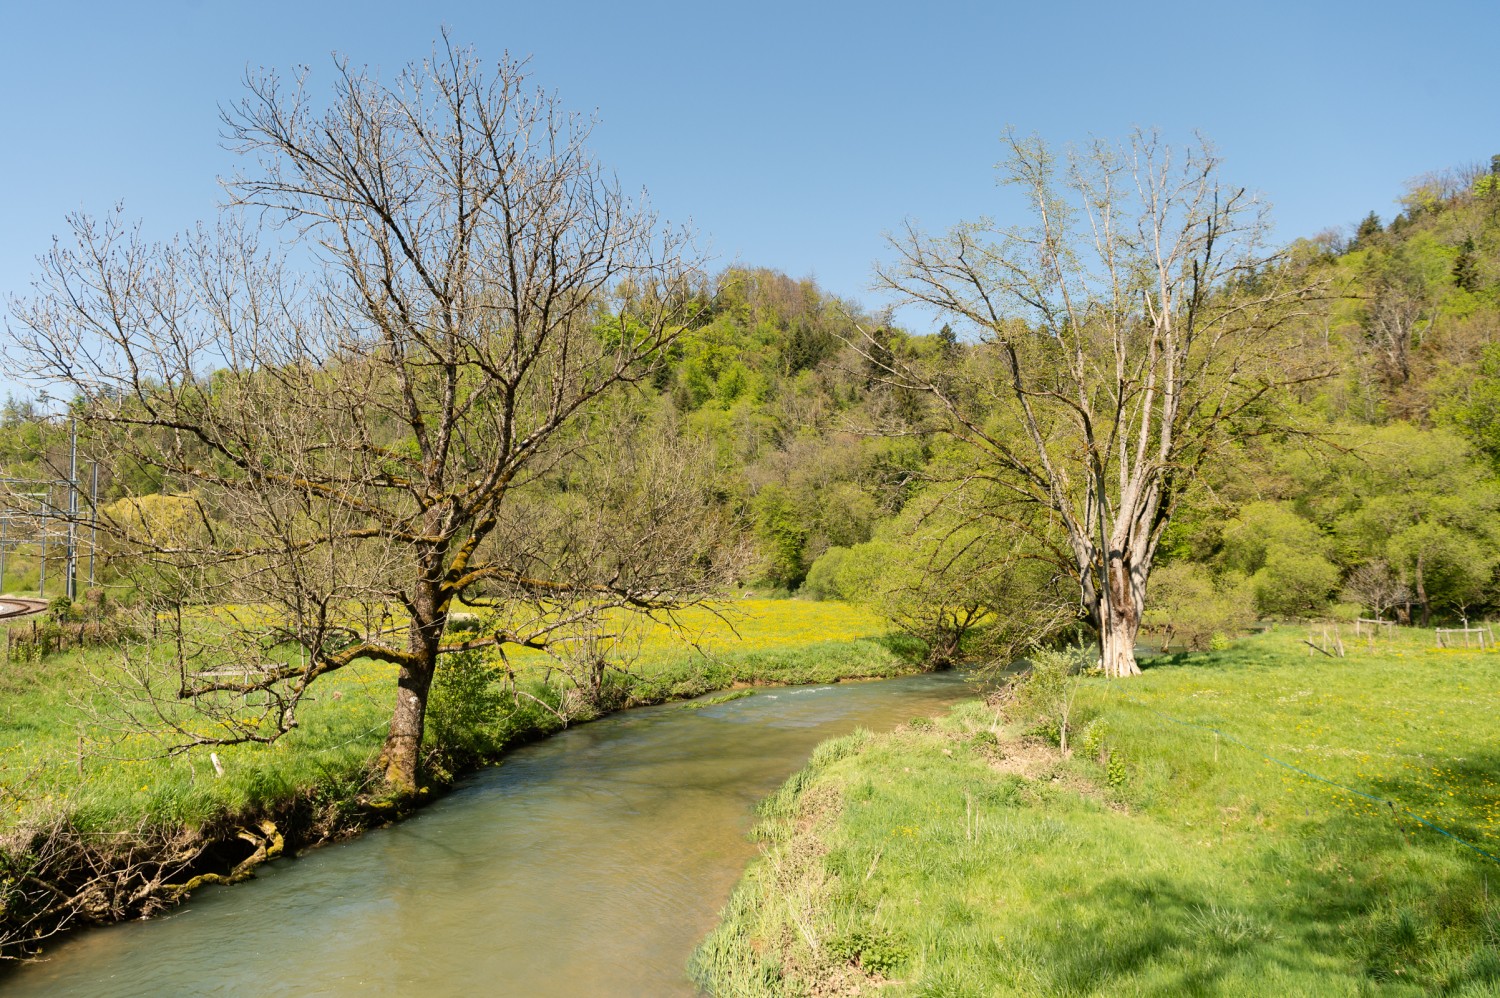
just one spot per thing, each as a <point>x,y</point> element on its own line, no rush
<point>589,864</point>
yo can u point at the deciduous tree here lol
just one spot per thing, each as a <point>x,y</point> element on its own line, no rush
<point>1125,332</point>
<point>397,410</point>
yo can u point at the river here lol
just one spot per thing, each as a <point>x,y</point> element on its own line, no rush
<point>589,864</point>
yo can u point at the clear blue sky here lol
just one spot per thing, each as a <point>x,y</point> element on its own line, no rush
<point>792,135</point>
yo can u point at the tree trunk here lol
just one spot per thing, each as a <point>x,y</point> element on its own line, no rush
<point>1119,623</point>
<point>1117,644</point>
<point>402,755</point>
<point>1422,596</point>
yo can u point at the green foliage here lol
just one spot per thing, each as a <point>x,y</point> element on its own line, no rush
<point>1095,737</point>
<point>823,577</point>
<point>1190,607</point>
<point>1472,406</point>
<point>1466,267</point>
<point>1417,501</point>
<point>1285,558</point>
<point>1293,583</point>
<point>967,590</point>
<point>1263,527</point>
<point>780,527</point>
<point>1041,700</point>
<point>1420,501</point>
<point>873,950</point>
<point>466,702</point>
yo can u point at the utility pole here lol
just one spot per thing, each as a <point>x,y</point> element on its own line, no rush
<point>93,524</point>
<point>72,581</point>
<point>41,586</point>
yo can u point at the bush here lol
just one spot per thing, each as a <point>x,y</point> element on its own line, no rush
<point>822,581</point>
<point>1190,607</point>
<point>1293,583</point>
<point>1042,699</point>
<point>464,705</point>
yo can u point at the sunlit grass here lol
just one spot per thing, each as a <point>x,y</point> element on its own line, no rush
<point>744,625</point>
<point>1203,868</point>
<point>54,758</point>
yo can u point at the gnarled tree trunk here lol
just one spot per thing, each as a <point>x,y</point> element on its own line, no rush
<point>1120,619</point>
<point>401,756</point>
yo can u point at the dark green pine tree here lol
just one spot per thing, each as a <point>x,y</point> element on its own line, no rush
<point>1466,268</point>
<point>1368,229</point>
<point>949,340</point>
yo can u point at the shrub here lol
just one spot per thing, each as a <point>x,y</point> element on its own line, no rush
<point>875,951</point>
<point>465,703</point>
<point>822,581</point>
<point>1190,607</point>
<point>1042,699</point>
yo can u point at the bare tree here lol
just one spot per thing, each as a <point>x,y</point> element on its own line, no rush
<point>1374,586</point>
<point>1125,333</point>
<point>1393,319</point>
<point>407,406</point>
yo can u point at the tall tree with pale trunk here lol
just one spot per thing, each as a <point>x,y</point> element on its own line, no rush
<point>1136,323</point>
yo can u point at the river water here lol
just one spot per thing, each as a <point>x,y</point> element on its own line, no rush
<point>589,864</point>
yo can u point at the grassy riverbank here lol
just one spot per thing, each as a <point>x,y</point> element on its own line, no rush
<point>968,857</point>
<point>69,787</point>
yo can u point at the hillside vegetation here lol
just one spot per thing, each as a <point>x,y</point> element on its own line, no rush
<point>1384,479</point>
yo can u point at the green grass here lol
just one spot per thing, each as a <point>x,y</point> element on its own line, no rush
<point>58,761</point>
<point>956,859</point>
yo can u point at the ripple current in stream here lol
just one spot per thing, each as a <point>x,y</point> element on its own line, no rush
<point>588,864</point>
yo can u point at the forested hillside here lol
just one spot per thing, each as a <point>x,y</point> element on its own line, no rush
<point>1380,495</point>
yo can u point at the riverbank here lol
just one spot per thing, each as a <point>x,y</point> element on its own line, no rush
<point>591,864</point>
<point>1166,854</point>
<point>96,828</point>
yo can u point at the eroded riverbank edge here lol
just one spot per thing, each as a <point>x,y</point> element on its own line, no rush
<point>55,880</point>
<point>798,921</point>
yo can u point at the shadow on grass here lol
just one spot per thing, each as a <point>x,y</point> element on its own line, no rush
<point>903,646</point>
<point>1235,657</point>
<point>1157,660</point>
<point>1152,931</point>
<point>1298,925</point>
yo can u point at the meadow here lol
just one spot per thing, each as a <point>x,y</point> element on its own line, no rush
<point>1258,820</point>
<point>59,760</point>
